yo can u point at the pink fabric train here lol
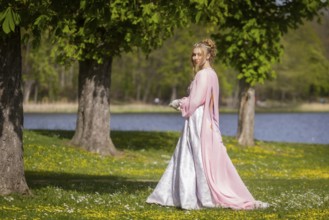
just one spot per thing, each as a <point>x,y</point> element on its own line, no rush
<point>226,187</point>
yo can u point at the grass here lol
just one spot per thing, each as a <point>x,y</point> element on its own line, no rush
<point>69,183</point>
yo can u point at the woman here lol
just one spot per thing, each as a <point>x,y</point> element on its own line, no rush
<point>200,173</point>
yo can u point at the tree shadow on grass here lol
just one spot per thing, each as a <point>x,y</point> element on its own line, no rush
<point>61,134</point>
<point>85,183</point>
<point>132,140</point>
<point>128,140</point>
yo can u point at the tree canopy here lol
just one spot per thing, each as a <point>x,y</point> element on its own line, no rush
<point>250,38</point>
<point>98,29</point>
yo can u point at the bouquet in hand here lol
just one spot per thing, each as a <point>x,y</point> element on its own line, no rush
<point>175,104</point>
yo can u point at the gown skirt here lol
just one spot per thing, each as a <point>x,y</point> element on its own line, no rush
<point>184,183</point>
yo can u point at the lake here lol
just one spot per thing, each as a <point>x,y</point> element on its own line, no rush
<point>284,127</point>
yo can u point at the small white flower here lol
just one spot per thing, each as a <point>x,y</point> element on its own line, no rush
<point>70,210</point>
<point>9,198</point>
<point>127,207</point>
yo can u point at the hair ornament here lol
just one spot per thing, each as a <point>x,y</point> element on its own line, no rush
<point>201,45</point>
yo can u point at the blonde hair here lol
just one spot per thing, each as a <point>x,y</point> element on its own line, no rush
<point>207,46</point>
<point>210,47</point>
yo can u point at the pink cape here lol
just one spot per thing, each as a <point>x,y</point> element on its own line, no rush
<point>226,187</point>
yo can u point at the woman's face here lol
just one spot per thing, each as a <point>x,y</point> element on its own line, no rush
<point>198,57</point>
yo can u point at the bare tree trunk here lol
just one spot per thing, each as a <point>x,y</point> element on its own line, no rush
<point>235,98</point>
<point>149,83</point>
<point>246,118</point>
<point>173,93</point>
<point>26,70</point>
<point>283,95</point>
<point>62,77</point>
<point>138,92</point>
<point>92,130</point>
<point>36,93</point>
<point>27,90</point>
<point>147,89</point>
<point>12,178</point>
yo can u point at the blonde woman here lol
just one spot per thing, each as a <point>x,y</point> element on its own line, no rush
<point>200,173</point>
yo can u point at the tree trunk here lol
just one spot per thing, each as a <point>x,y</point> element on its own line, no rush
<point>12,178</point>
<point>138,92</point>
<point>27,90</point>
<point>246,118</point>
<point>36,93</point>
<point>62,77</point>
<point>282,96</point>
<point>26,71</point>
<point>147,89</point>
<point>92,130</point>
<point>235,98</point>
<point>173,93</point>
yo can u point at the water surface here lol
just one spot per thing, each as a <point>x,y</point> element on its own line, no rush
<point>285,127</point>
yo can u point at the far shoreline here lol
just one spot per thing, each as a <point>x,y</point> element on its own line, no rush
<point>60,107</point>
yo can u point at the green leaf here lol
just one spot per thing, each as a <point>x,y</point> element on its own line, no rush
<point>147,9</point>
<point>5,27</point>
<point>155,18</point>
<point>198,16</point>
<point>17,18</point>
<point>66,29</point>
<point>83,4</point>
<point>3,15</point>
<point>10,17</point>
<point>240,76</point>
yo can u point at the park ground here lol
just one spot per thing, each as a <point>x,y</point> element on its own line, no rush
<point>69,183</point>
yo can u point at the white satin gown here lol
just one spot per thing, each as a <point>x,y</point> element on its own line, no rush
<point>200,172</point>
<point>184,184</point>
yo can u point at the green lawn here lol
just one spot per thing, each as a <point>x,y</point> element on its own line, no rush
<point>69,183</point>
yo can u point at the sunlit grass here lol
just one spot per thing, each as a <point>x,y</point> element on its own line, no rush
<point>70,183</point>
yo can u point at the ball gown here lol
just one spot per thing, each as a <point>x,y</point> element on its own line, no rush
<point>200,173</point>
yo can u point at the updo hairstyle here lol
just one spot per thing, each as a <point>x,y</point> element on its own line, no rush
<point>209,45</point>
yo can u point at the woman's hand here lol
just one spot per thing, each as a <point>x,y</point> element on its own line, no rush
<point>175,104</point>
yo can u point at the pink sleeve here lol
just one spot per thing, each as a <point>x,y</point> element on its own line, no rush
<point>197,95</point>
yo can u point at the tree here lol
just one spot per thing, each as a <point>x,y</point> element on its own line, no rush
<point>303,73</point>
<point>12,178</point>
<point>93,32</point>
<point>39,69</point>
<point>250,41</point>
<point>166,72</point>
